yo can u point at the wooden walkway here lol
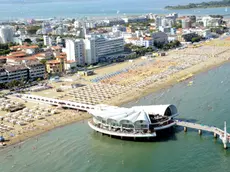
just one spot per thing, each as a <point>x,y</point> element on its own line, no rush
<point>223,135</point>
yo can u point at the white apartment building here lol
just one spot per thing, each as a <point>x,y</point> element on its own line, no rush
<point>6,34</point>
<point>146,42</point>
<point>135,19</point>
<point>90,50</point>
<point>75,50</point>
<point>105,45</point>
<point>78,24</point>
<point>206,33</point>
<point>48,41</point>
<point>211,22</point>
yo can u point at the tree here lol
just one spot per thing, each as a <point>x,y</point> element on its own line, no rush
<point>150,49</point>
<point>33,29</point>
<point>43,61</point>
<point>28,40</point>
<point>196,39</point>
<point>40,45</point>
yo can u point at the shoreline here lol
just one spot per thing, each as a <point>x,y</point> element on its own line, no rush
<point>196,69</point>
<point>16,142</point>
<point>196,8</point>
<point>72,116</point>
<point>119,102</point>
<point>80,116</point>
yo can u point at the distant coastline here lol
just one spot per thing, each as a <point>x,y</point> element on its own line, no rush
<point>211,4</point>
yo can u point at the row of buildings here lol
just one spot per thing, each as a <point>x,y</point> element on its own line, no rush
<point>28,70</point>
<point>88,23</point>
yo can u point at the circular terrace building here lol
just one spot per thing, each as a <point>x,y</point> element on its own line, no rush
<point>135,122</point>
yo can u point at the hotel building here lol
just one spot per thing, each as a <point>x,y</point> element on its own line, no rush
<point>106,45</point>
<point>75,50</point>
<point>36,69</point>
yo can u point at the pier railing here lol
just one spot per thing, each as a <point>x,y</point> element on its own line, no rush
<point>57,102</point>
<point>223,135</point>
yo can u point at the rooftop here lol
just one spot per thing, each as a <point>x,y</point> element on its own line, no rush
<point>70,61</point>
<point>33,63</point>
<point>23,47</point>
<point>53,62</point>
<point>18,54</point>
<point>56,48</point>
<point>12,68</point>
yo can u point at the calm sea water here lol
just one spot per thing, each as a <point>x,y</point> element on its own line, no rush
<point>77,148</point>
<point>14,9</point>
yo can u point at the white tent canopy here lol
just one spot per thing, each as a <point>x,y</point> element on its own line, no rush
<point>138,115</point>
<point>129,119</point>
<point>117,118</point>
<point>142,118</point>
<point>108,112</point>
<point>158,109</point>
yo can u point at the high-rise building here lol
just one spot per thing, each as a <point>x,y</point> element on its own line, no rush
<point>108,45</point>
<point>6,34</point>
<point>186,23</point>
<point>75,51</point>
<point>158,21</point>
<point>48,41</point>
<point>90,50</point>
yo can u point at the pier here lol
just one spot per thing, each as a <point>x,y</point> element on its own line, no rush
<point>57,102</point>
<point>223,135</point>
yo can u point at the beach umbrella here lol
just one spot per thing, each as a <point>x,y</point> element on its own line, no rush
<point>2,139</point>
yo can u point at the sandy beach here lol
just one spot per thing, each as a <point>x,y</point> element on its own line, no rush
<point>135,79</point>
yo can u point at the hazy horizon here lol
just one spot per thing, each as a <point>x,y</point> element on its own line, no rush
<point>15,9</point>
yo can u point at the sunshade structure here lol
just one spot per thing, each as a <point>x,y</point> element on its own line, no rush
<point>136,117</point>
<point>163,110</point>
<point>123,117</point>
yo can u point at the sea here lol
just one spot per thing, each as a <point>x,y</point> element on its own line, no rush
<point>41,9</point>
<point>76,148</point>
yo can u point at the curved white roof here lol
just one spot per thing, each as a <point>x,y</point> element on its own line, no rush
<point>143,117</point>
<point>157,109</point>
<point>109,112</point>
<point>133,115</point>
<point>130,119</point>
<point>117,118</point>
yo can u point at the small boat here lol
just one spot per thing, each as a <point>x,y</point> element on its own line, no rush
<point>190,83</point>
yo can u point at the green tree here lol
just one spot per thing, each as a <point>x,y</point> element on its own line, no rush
<point>196,39</point>
<point>43,61</point>
<point>28,40</point>
<point>32,29</point>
